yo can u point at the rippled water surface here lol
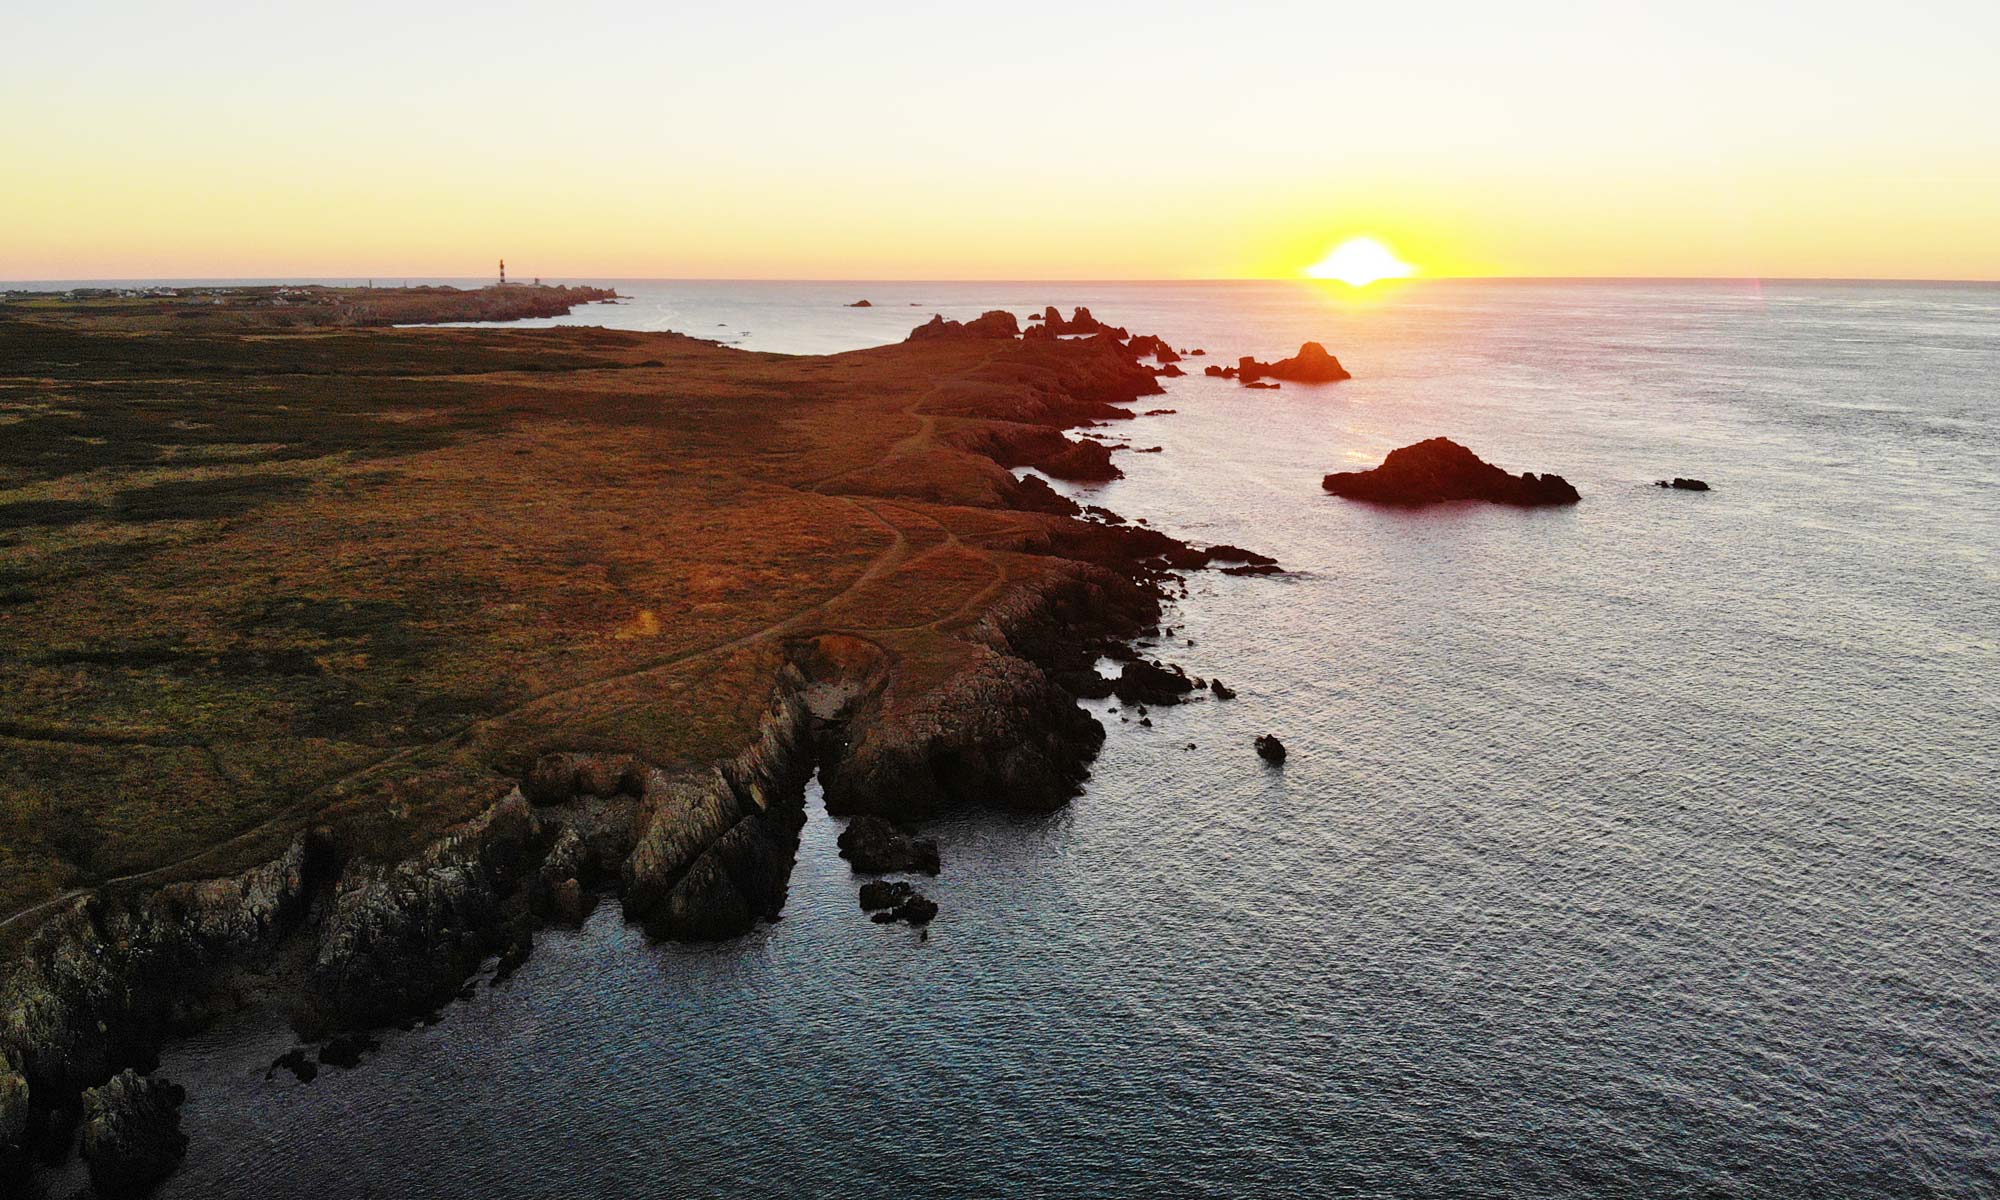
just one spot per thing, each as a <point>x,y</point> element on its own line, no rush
<point>1647,847</point>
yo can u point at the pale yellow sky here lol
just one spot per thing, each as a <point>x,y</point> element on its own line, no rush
<point>615,139</point>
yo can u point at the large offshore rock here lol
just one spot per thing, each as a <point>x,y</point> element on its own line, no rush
<point>132,1135</point>
<point>1437,470</point>
<point>1312,364</point>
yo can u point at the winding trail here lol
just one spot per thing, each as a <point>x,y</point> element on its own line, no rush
<point>889,559</point>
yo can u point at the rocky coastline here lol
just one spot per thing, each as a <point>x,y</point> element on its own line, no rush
<point>342,943</point>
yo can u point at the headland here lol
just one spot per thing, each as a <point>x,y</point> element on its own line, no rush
<point>338,659</point>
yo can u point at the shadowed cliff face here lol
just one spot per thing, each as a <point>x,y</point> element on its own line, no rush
<point>531,615</point>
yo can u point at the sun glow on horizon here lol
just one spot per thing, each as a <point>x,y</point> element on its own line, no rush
<point>1359,262</point>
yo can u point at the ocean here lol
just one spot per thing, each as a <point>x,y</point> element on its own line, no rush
<point>1647,847</point>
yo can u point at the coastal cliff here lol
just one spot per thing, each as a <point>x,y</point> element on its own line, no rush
<point>941,666</point>
<point>714,848</point>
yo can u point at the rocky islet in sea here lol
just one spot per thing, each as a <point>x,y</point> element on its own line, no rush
<point>1439,470</point>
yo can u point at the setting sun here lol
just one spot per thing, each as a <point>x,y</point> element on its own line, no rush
<point>1360,261</point>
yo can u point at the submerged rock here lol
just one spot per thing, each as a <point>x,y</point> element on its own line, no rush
<point>1437,470</point>
<point>876,847</point>
<point>1224,552</point>
<point>1269,748</point>
<point>132,1135</point>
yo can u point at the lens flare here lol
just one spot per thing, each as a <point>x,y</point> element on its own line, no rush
<point>1360,262</point>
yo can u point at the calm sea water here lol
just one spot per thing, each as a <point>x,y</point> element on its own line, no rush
<point>1649,847</point>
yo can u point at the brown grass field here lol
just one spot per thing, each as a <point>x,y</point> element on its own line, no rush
<point>257,578</point>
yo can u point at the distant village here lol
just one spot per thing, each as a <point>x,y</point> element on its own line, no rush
<point>275,295</point>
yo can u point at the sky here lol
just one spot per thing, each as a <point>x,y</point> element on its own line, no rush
<point>1082,140</point>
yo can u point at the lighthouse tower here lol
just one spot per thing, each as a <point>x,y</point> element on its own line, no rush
<point>503,272</point>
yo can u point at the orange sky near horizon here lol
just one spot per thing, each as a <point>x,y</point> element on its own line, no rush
<point>607,139</point>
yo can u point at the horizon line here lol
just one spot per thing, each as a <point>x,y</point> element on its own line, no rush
<point>11,284</point>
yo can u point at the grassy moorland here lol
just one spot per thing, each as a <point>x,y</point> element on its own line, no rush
<point>256,577</point>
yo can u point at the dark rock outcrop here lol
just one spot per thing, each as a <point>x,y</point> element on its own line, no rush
<point>347,1050</point>
<point>993,325</point>
<point>1082,461</point>
<point>1312,364</point>
<point>1683,485</point>
<point>917,909</point>
<point>1438,470</point>
<point>402,937</point>
<point>102,982</point>
<point>1002,733</point>
<point>878,894</point>
<point>861,304</point>
<point>714,852</point>
<point>875,847</point>
<point>1224,552</point>
<point>1078,460</point>
<point>1032,493</point>
<point>1145,344</point>
<point>132,1135</point>
<point>1221,690</point>
<point>1079,323</point>
<point>1142,682</point>
<point>303,1066</point>
<point>1269,748</point>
